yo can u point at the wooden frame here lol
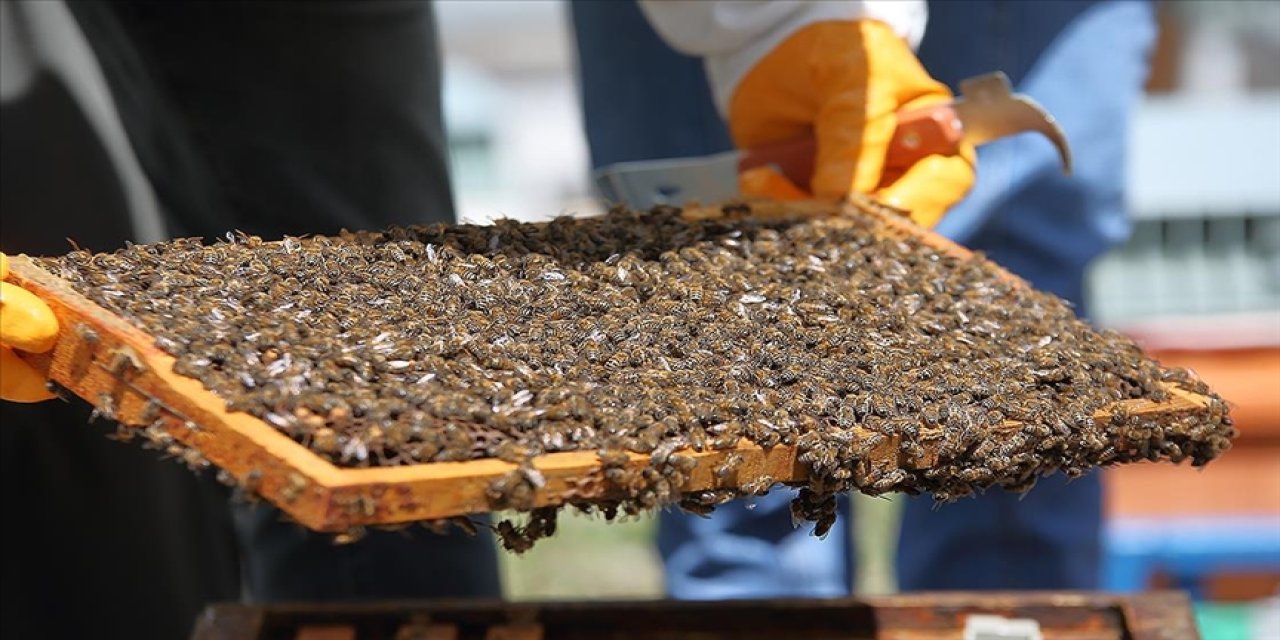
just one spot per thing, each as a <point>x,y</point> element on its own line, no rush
<point>117,367</point>
<point>1162,615</point>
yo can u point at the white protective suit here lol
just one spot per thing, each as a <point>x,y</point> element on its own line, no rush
<point>733,35</point>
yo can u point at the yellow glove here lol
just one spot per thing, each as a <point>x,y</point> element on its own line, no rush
<point>844,82</point>
<point>27,324</point>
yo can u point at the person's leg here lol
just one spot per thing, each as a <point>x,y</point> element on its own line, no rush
<point>310,116</point>
<point>102,539</point>
<point>642,101</point>
<point>1048,539</point>
<point>105,539</point>
<point>749,548</point>
<point>305,118</point>
<point>1086,63</point>
<point>287,563</point>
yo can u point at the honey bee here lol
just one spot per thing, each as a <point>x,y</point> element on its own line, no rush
<point>105,407</point>
<point>758,486</point>
<point>350,536</point>
<point>293,488</point>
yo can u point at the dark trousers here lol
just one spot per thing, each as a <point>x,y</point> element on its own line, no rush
<point>272,118</point>
<point>305,118</point>
<point>102,539</point>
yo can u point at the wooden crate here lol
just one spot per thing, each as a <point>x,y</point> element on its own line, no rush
<point>117,367</point>
<point>926,616</point>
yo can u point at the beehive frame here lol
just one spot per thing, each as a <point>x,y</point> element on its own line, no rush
<point>114,365</point>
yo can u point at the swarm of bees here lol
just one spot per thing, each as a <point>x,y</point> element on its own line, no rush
<point>650,333</point>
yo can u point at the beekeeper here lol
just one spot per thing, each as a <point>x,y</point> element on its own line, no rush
<point>665,79</point>
<point>140,120</point>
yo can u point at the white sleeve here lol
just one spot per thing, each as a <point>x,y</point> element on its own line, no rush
<point>733,35</point>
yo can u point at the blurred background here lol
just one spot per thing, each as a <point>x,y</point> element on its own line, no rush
<point>1198,284</point>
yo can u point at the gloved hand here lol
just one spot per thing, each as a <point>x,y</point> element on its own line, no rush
<point>27,324</point>
<point>845,82</point>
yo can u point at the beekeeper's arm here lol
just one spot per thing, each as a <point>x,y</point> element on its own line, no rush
<point>26,324</point>
<point>840,70</point>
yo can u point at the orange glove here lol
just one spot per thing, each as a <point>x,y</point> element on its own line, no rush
<point>845,82</point>
<point>27,324</point>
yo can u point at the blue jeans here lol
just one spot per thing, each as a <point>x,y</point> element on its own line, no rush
<point>1084,61</point>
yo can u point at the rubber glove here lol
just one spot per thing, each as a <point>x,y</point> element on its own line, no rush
<point>26,324</point>
<point>844,83</point>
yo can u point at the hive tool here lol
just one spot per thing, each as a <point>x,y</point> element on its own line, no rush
<point>986,109</point>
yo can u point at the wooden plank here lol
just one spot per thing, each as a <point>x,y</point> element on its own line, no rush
<point>117,367</point>
<point>919,616</point>
<point>222,622</point>
<point>427,632</point>
<point>1163,615</point>
<point>520,631</point>
<point>326,632</point>
<point>1248,379</point>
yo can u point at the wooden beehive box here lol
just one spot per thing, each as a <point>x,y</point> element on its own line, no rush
<point>925,616</point>
<point>117,367</point>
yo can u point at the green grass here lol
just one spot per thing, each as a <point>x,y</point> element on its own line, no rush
<point>590,559</point>
<point>587,559</point>
<point>875,541</point>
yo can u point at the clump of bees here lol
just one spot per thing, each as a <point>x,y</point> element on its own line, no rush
<point>651,333</point>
